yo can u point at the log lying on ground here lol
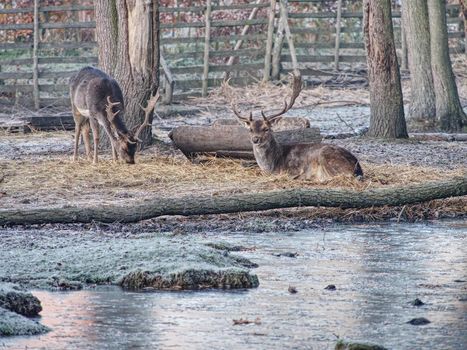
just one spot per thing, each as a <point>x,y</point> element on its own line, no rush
<point>231,203</point>
<point>204,139</point>
<point>415,136</point>
<point>438,137</point>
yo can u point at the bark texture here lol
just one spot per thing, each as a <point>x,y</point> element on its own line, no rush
<point>387,111</point>
<point>127,33</point>
<point>417,33</point>
<point>231,203</point>
<point>448,108</point>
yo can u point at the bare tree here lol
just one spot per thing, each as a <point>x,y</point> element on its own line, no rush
<point>127,33</point>
<point>422,107</point>
<point>448,108</point>
<point>387,110</point>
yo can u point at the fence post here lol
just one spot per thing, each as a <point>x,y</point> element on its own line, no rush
<point>288,35</point>
<point>239,42</point>
<point>35,61</point>
<point>338,35</point>
<point>168,81</point>
<point>404,51</point>
<point>207,43</point>
<point>267,56</point>
<point>277,50</point>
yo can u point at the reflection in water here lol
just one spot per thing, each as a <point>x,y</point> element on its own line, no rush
<point>377,270</point>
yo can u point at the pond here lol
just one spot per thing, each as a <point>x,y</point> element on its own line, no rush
<point>377,269</point>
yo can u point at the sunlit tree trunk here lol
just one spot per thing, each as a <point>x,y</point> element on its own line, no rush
<point>422,106</point>
<point>127,33</point>
<point>387,111</point>
<point>448,108</point>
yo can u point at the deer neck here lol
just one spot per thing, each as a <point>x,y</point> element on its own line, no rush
<point>269,155</point>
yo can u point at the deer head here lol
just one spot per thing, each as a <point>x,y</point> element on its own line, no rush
<point>127,142</point>
<point>261,129</point>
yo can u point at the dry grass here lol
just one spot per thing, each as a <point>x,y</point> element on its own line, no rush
<point>58,180</point>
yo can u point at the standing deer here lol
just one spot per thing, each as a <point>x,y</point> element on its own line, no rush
<point>96,99</point>
<point>302,161</point>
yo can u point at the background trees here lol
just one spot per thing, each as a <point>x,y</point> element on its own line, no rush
<point>435,100</point>
<point>448,108</point>
<point>422,107</point>
<point>387,110</point>
<point>127,33</point>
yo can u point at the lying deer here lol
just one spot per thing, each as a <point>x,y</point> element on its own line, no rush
<point>96,99</point>
<point>302,161</point>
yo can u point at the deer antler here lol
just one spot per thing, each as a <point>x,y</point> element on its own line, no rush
<point>147,113</point>
<point>296,88</point>
<point>108,108</point>
<point>227,91</point>
<point>239,116</point>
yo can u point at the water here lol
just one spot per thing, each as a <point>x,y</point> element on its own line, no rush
<point>377,270</point>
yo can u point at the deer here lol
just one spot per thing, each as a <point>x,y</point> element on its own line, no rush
<point>96,99</point>
<point>309,161</point>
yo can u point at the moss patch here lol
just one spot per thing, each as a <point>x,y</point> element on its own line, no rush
<point>44,259</point>
<point>15,299</point>
<point>190,279</point>
<point>13,324</point>
<point>344,345</point>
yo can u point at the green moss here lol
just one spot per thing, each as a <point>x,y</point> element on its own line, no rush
<point>225,246</point>
<point>13,324</point>
<point>15,299</point>
<point>345,345</point>
<point>190,279</point>
<point>152,260</point>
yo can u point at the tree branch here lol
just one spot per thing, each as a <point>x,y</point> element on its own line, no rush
<point>231,203</point>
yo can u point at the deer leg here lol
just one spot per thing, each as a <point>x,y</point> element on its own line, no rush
<point>95,136</point>
<point>77,134</point>
<point>87,139</point>
<point>79,120</point>
<point>108,129</point>
<point>114,152</point>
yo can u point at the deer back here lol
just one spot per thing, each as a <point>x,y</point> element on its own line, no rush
<point>89,90</point>
<point>318,161</point>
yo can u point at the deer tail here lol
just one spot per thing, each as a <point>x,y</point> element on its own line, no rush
<point>358,172</point>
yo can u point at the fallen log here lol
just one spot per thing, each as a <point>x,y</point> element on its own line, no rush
<point>204,139</point>
<point>231,203</point>
<point>414,136</point>
<point>438,137</point>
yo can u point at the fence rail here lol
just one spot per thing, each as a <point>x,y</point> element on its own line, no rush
<point>49,48</point>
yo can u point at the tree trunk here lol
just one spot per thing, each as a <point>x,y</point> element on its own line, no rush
<point>387,110</point>
<point>232,203</point>
<point>127,33</point>
<point>417,32</point>
<point>448,108</point>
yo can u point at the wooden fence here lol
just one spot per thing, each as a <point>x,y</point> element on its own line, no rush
<point>42,46</point>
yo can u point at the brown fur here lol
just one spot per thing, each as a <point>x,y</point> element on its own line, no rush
<point>301,161</point>
<point>90,91</point>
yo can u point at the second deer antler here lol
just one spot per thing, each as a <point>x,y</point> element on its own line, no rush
<point>296,89</point>
<point>147,113</point>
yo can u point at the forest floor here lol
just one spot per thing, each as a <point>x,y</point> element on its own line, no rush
<point>36,170</point>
